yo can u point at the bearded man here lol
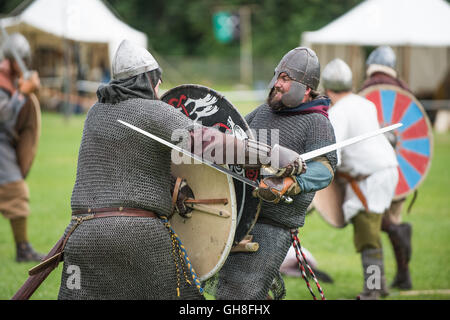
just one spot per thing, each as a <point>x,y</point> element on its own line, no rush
<point>297,115</point>
<point>119,244</point>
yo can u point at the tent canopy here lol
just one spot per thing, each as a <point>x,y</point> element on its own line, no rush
<point>417,30</point>
<point>80,20</point>
<point>389,22</point>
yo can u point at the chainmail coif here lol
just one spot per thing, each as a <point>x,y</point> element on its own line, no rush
<point>125,257</point>
<point>252,275</point>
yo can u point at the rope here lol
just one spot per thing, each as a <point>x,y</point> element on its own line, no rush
<point>177,245</point>
<point>302,260</point>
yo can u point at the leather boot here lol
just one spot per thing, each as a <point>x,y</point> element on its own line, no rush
<point>400,236</point>
<point>26,253</point>
<point>372,263</point>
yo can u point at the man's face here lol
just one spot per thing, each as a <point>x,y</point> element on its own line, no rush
<point>281,86</point>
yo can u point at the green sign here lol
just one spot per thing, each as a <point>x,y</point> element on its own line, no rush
<point>224,24</point>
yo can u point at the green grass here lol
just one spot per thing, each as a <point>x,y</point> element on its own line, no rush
<point>53,175</point>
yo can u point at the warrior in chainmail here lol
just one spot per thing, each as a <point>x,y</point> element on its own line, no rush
<point>300,116</point>
<point>15,109</point>
<point>119,245</point>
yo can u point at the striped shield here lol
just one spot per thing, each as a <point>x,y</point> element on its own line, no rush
<point>413,142</point>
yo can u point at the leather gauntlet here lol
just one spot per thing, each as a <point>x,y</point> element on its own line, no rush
<point>273,189</point>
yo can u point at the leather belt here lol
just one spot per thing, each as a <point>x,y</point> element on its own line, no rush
<point>356,189</point>
<point>115,212</point>
<point>55,257</point>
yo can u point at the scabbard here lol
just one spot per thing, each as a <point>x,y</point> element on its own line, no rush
<point>34,281</point>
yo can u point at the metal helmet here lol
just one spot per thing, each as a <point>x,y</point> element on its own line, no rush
<point>302,65</point>
<point>20,44</point>
<point>337,76</point>
<point>131,60</point>
<point>384,56</point>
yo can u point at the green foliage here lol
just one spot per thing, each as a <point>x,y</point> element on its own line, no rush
<point>181,28</point>
<point>175,27</point>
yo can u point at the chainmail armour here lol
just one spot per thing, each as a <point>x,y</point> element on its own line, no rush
<point>301,133</point>
<point>252,275</point>
<point>125,257</point>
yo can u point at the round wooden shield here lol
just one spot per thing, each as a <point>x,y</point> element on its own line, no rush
<point>328,203</point>
<point>207,235</point>
<point>28,128</point>
<point>208,107</point>
<point>413,141</point>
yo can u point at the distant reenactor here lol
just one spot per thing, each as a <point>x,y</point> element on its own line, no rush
<point>19,135</point>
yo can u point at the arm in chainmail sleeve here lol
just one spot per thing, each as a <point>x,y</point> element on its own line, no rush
<point>321,134</point>
<point>318,175</point>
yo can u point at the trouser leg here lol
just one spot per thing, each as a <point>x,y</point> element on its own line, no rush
<point>400,238</point>
<point>24,250</point>
<point>367,228</point>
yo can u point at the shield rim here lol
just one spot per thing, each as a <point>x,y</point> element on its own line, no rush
<point>249,133</point>
<point>35,109</point>
<point>225,250</point>
<point>325,217</point>
<point>379,87</point>
<point>229,244</point>
<point>233,200</point>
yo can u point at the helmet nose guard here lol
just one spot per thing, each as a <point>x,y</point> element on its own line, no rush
<point>301,65</point>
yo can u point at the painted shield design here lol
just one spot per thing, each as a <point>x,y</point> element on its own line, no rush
<point>413,142</point>
<point>204,231</point>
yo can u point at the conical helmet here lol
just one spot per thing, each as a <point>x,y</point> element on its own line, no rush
<point>383,55</point>
<point>337,76</point>
<point>301,65</point>
<point>20,45</point>
<point>131,60</point>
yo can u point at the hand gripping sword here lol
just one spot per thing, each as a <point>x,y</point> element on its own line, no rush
<point>306,156</point>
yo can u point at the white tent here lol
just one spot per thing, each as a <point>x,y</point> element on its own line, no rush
<point>88,21</point>
<point>418,30</point>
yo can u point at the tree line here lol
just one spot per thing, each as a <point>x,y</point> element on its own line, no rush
<point>185,28</point>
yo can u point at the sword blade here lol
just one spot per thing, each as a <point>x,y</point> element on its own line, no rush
<point>345,143</point>
<point>192,155</point>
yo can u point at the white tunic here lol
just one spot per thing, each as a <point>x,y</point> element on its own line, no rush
<point>353,115</point>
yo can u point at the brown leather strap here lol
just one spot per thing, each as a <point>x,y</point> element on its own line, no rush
<point>207,201</point>
<point>118,212</point>
<point>356,189</point>
<point>176,189</point>
<point>54,259</point>
<point>40,272</point>
<point>35,280</point>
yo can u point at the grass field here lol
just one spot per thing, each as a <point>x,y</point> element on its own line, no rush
<point>53,175</point>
